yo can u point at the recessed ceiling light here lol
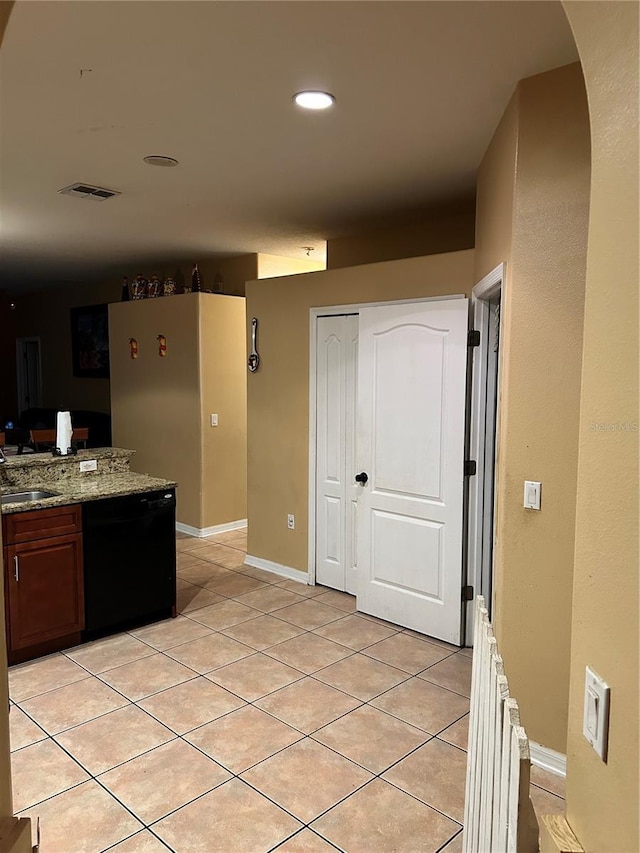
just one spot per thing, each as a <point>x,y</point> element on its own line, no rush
<point>155,160</point>
<point>314,100</point>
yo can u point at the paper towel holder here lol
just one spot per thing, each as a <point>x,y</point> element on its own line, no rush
<point>63,435</point>
<point>71,451</point>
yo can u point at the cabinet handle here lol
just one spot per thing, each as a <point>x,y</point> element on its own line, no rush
<point>16,567</point>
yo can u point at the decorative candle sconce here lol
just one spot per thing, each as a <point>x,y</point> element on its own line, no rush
<point>254,358</point>
<point>162,345</point>
<point>133,347</point>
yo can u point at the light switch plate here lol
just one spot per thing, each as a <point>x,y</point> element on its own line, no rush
<point>214,420</point>
<point>595,726</point>
<point>532,494</point>
<point>89,465</point>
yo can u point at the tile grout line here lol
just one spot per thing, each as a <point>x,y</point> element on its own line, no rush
<point>397,629</point>
<point>242,698</point>
<point>430,737</point>
<point>279,845</point>
<point>238,776</point>
<point>198,675</point>
<point>146,829</point>
<point>303,735</point>
<point>443,849</point>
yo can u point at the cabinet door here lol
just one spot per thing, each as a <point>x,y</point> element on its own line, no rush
<point>45,590</point>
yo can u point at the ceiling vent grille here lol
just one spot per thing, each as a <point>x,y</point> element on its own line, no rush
<point>80,190</point>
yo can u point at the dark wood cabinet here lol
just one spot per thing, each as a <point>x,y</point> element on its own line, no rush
<point>41,524</point>
<point>44,600</point>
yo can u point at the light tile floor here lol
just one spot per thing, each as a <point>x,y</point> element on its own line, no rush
<point>269,715</point>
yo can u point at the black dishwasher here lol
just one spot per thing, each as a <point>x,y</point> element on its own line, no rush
<point>129,561</point>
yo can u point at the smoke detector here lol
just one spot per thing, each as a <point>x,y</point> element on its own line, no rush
<point>80,190</point>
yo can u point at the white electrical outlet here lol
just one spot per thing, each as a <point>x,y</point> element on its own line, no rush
<point>214,420</point>
<point>595,726</point>
<point>291,521</point>
<point>89,465</point>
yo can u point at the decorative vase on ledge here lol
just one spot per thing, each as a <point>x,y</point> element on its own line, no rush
<point>196,285</point>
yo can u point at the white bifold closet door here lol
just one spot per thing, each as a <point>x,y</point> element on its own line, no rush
<point>336,491</point>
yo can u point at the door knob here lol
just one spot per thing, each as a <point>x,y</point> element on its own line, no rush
<point>362,478</point>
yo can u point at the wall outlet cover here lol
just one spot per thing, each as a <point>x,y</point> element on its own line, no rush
<point>89,465</point>
<point>291,521</point>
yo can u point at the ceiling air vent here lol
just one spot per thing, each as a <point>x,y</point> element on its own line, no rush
<point>88,191</point>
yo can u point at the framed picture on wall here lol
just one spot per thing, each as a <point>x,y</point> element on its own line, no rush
<point>90,341</point>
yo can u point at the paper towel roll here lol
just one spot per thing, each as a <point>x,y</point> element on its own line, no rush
<point>63,432</point>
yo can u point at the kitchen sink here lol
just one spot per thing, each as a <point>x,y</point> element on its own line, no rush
<point>19,497</point>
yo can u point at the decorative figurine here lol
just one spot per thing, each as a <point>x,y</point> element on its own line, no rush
<point>162,345</point>
<point>154,287</point>
<point>139,287</point>
<point>133,347</point>
<point>169,287</point>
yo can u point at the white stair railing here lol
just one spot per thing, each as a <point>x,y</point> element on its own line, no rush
<point>498,815</point>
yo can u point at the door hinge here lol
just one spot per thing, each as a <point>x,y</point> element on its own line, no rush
<point>469,467</point>
<point>467,593</point>
<point>473,338</point>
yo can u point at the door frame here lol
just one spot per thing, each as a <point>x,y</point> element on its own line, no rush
<point>21,377</point>
<point>314,313</point>
<point>482,492</point>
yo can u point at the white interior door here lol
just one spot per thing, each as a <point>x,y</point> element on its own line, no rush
<point>336,492</point>
<point>411,429</point>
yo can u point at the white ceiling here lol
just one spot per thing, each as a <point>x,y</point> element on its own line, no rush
<point>89,88</point>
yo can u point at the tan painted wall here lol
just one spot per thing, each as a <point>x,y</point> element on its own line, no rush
<point>161,406</point>
<point>234,271</point>
<point>223,390</point>
<point>440,232</point>
<point>155,402</point>
<point>278,394</point>
<point>46,314</point>
<point>537,220</point>
<point>495,194</point>
<point>270,266</point>
<point>602,798</point>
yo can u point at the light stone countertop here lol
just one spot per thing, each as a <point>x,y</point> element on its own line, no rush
<point>61,475</point>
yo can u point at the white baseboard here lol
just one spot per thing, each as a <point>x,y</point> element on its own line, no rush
<point>277,569</point>
<point>201,532</point>
<point>548,759</point>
